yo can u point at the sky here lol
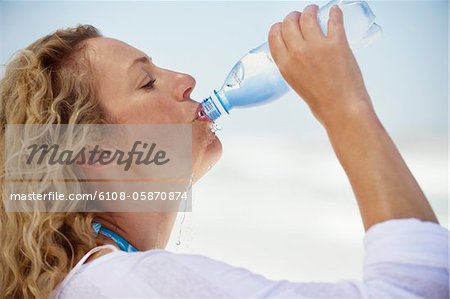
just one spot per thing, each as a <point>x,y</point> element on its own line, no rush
<point>277,165</point>
<point>405,71</point>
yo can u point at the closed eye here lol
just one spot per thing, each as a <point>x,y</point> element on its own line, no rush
<point>149,84</point>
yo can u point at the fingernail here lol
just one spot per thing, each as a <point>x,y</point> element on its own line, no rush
<point>315,8</point>
<point>275,28</point>
<point>312,6</point>
<point>293,14</point>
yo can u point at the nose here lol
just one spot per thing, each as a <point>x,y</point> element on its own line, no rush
<point>185,86</point>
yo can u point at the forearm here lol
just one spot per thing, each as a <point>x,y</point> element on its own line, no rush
<point>382,183</point>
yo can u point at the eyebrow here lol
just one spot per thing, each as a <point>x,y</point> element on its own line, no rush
<point>143,59</point>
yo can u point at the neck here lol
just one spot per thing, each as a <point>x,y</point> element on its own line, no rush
<point>143,230</point>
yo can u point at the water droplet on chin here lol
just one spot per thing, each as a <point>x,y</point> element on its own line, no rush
<point>209,167</point>
<point>215,127</point>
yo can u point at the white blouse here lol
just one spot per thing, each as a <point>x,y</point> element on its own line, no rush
<point>403,258</point>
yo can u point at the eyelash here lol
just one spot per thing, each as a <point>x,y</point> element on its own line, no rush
<point>149,85</point>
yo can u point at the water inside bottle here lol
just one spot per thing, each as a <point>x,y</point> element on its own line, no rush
<point>236,76</point>
<point>254,80</point>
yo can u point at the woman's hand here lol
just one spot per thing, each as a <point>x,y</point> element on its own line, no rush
<point>321,69</point>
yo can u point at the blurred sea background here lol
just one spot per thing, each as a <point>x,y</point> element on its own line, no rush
<point>277,203</point>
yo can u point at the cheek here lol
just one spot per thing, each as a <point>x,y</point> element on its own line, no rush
<point>147,109</point>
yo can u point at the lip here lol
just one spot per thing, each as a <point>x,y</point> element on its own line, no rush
<point>201,115</point>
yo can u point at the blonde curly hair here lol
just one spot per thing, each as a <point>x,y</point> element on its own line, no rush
<point>47,83</point>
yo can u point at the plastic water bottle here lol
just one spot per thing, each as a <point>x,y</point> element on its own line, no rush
<point>255,78</point>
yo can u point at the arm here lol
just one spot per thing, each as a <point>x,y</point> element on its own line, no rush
<point>324,72</point>
<point>383,185</point>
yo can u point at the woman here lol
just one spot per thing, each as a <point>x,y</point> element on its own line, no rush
<point>77,76</point>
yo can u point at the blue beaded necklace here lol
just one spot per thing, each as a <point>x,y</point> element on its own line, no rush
<point>120,241</point>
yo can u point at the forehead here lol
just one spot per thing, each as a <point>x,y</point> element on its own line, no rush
<point>104,52</point>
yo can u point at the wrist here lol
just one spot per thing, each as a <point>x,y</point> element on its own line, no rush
<point>358,113</point>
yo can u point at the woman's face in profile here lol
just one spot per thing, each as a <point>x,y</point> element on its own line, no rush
<point>133,90</point>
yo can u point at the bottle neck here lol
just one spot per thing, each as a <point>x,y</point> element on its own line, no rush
<point>216,105</point>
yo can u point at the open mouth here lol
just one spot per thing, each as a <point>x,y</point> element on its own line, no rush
<point>201,115</point>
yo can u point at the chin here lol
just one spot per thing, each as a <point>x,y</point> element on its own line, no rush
<point>211,155</point>
<point>214,150</point>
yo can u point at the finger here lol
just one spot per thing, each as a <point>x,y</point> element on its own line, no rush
<point>290,30</point>
<point>336,23</point>
<point>277,46</point>
<point>309,24</point>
